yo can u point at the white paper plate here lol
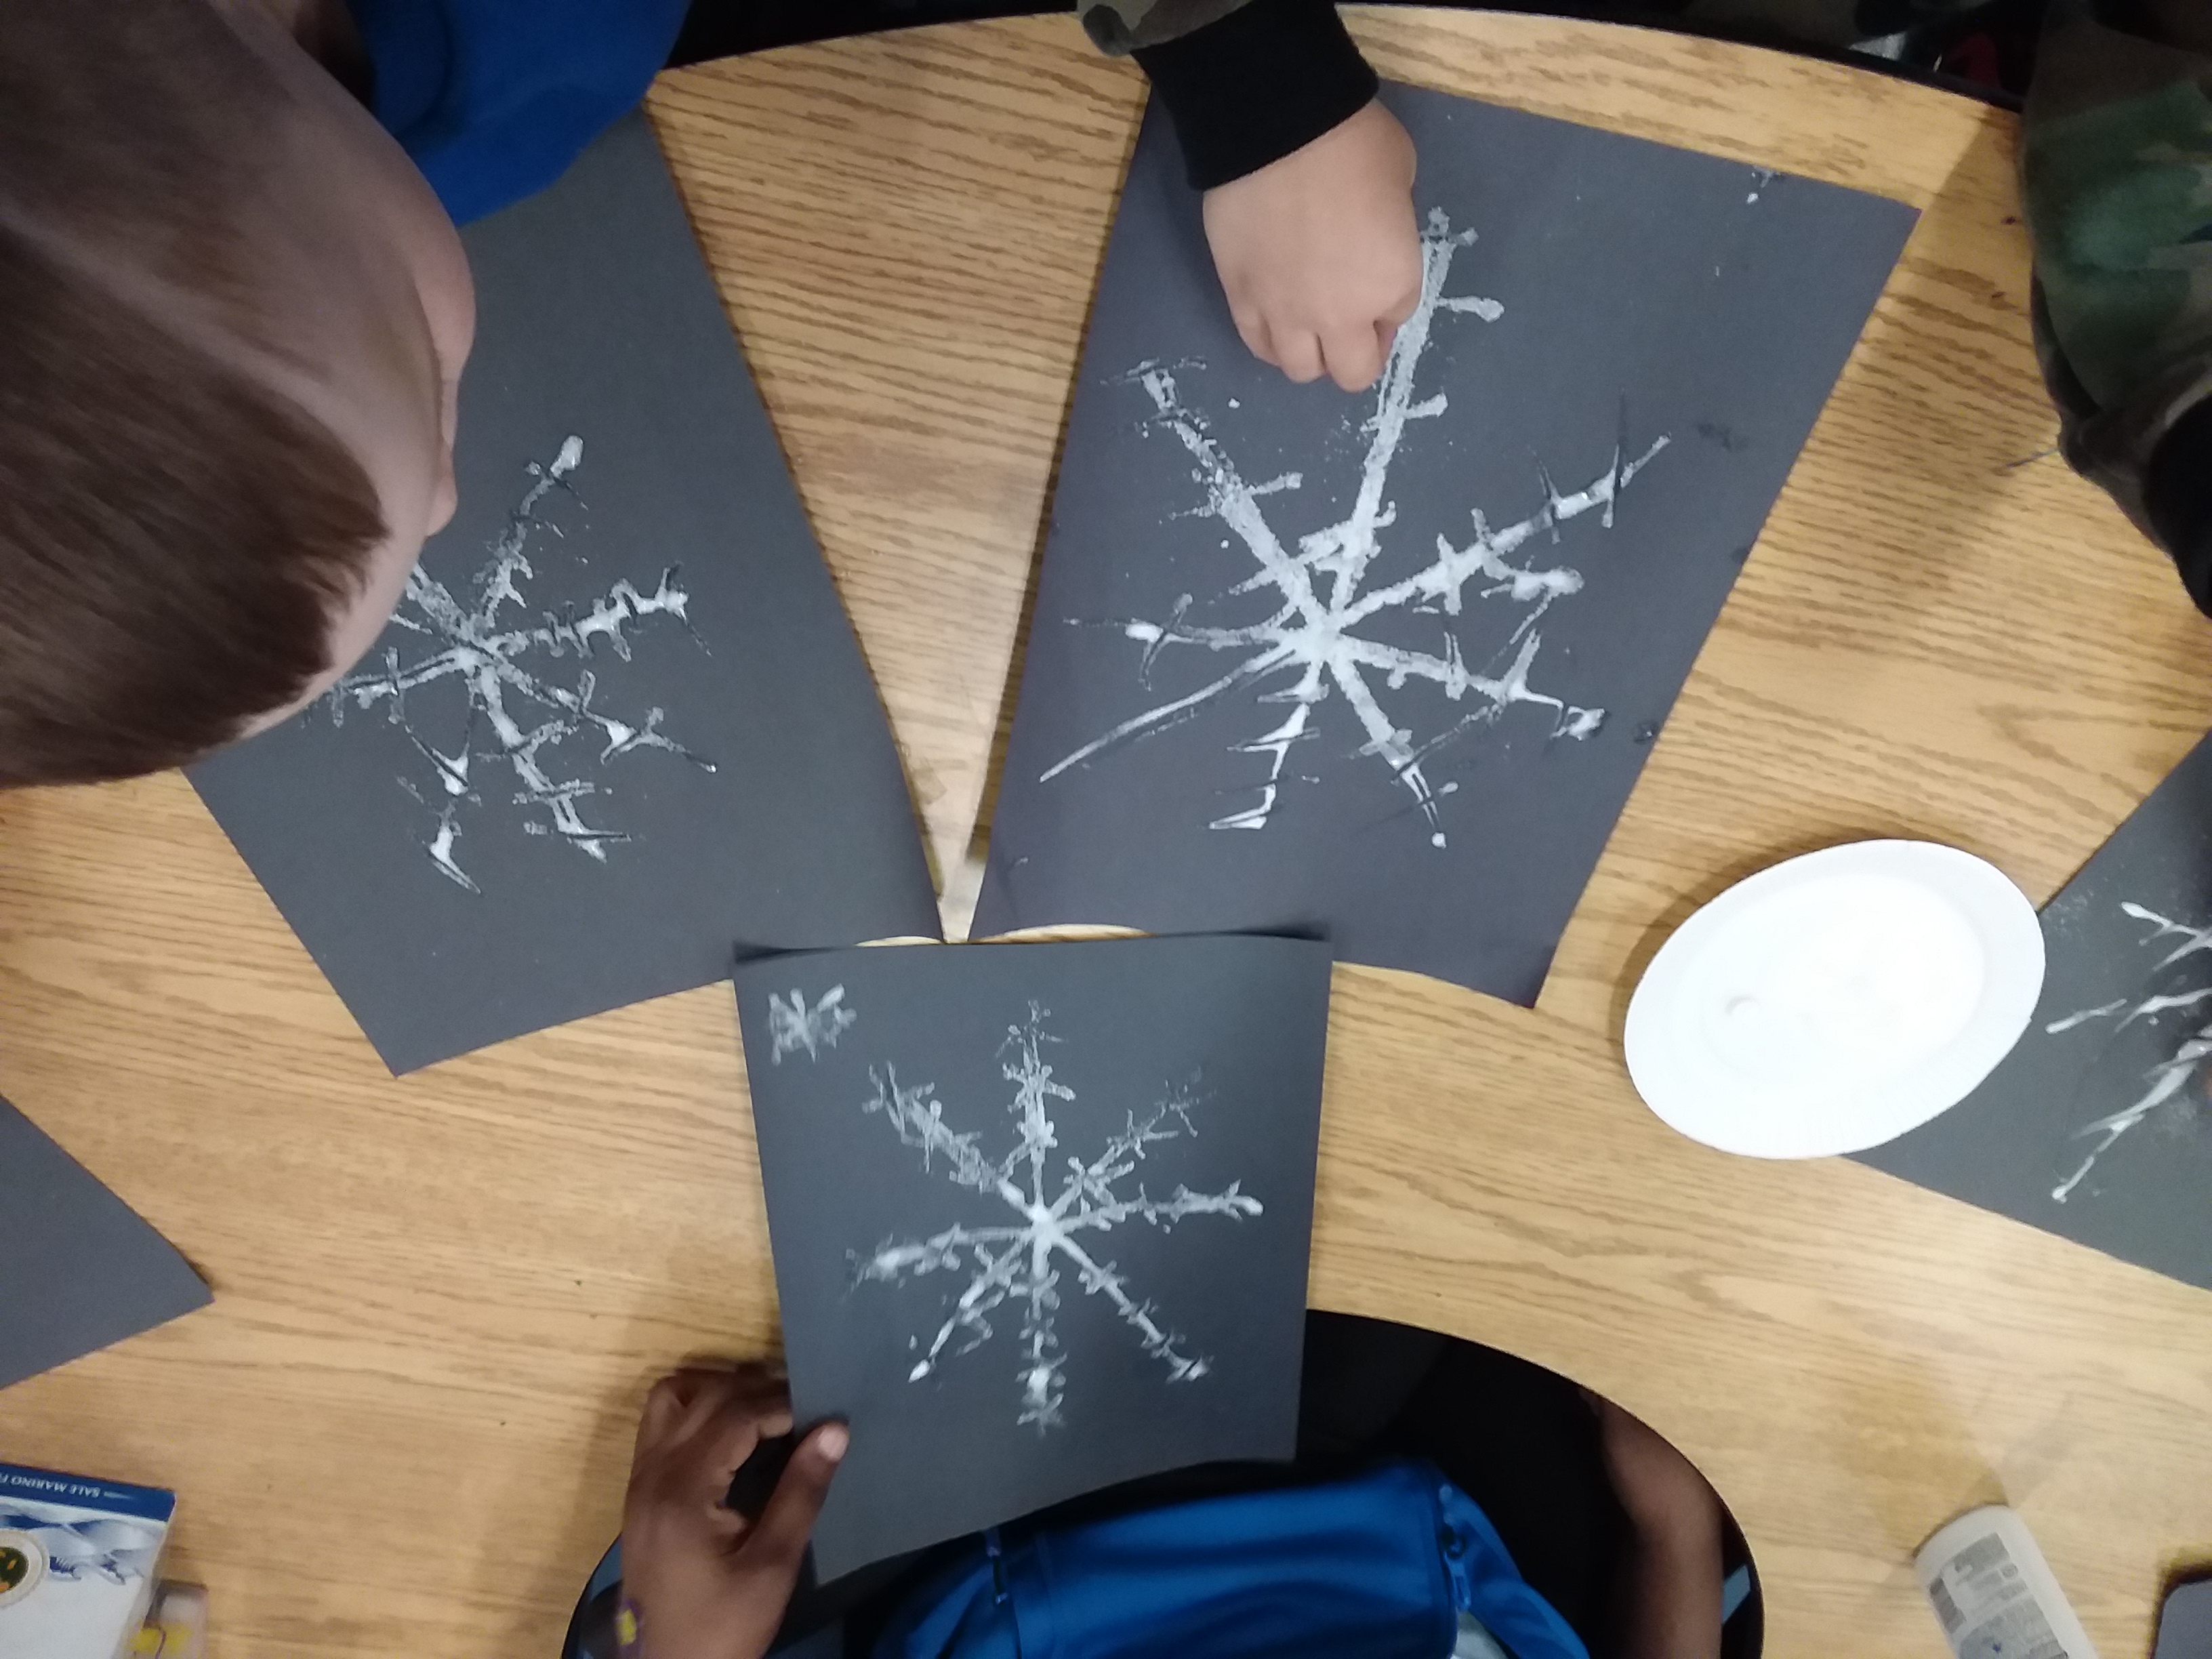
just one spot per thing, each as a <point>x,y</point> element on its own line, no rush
<point>1836,1001</point>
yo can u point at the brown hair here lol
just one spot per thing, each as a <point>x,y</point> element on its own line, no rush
<point>174,534</point>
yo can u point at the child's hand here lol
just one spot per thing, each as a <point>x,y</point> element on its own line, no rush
<point>702,1581</point>
<point>1318,253</point>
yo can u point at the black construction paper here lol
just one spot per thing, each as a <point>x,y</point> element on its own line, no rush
<point>680,746</point>
<point>78,1269</point>
<point>2097,1126</point>
<point>1137,1117</point>
<point>1385,666</point>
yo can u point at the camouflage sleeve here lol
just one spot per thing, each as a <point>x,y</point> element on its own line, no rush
<point>2117,174</point>
<point>1121,27</point>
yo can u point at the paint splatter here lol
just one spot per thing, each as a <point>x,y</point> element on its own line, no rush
<point>2164,1083</point>
<point>1021,1262</point>
<point>792,1026</point>
<point>1318,638</point>
<point>513,714</point>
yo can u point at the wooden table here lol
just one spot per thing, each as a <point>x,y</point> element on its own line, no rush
<point>403,1425</point>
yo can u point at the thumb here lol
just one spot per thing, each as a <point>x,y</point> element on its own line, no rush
<point>777,1543</point>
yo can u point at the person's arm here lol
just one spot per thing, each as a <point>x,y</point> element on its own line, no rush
<point>700,1581</point>
<point>1670,1589</point>
<point>1307,180</point>
<point>2114,145</point>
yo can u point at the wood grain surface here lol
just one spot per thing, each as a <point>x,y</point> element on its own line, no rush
<point>403,1425</point>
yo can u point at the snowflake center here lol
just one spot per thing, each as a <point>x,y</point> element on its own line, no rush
<point>469,645</point>
<point>1017,1262</point>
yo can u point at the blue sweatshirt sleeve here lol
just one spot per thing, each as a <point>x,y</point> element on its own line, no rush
<point>492,99</point>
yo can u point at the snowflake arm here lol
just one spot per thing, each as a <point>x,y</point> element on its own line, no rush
<point>2193,940</point>
<point>2083,1017</point>
<point>1170,714</point>
<point>918,1117</point>
<point>1089,1199</point>
<point>2166,1080</point>
<point>1161,1343</point>
<point>1231,1200</point>
<point>440,849</point>
<point>891,1262</point>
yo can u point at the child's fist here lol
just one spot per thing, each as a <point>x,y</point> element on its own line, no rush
<point>1319,254</point>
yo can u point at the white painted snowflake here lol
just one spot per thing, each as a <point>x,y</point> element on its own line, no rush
<point>515,715</point>
<point>1058,1214</point>
<point>2166,1080</point>
<point>1314,640</point>
<point>792,1025</point>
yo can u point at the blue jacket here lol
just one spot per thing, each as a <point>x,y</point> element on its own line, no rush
<point>492,99</point>
<point>1389,1565</point>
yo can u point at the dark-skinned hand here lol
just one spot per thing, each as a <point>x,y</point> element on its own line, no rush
<point>701,1580</point>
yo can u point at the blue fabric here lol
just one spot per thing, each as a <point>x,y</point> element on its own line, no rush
<point>1375,1567</point>
<point>492,99</point>
<point>608,1573</point>
<point>1736,1590</point>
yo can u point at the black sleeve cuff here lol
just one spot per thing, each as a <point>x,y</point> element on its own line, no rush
<point>1269,78</point>
<point>2178,499</point>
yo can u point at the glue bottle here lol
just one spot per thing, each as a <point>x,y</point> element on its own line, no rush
<point>1994,1592</point>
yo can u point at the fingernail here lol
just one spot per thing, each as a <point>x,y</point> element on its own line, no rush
<point>832,1441</point>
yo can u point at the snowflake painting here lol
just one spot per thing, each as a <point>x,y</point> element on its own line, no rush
<point>1041,1218</point>
<point>2098,1125</point>
<point>1061,1217</point>
<point>794,1025</point>
<point>2172,1082</point>
<point>516,710</point>
<point>618,726</point>
<point>1384,666</point>
<point>1307,635</point>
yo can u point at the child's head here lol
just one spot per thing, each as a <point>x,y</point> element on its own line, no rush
<point>232,321</point>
